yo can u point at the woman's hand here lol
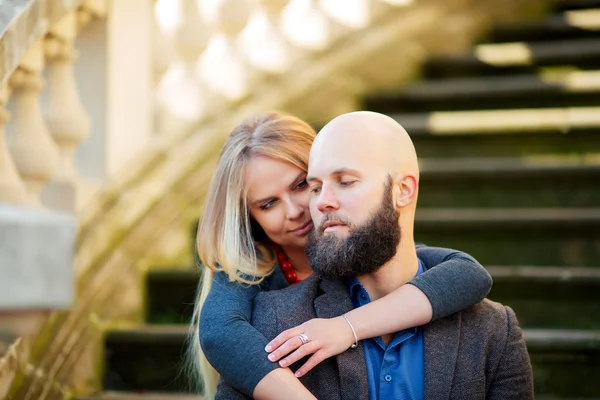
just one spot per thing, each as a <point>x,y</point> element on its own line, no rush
<point>326,338</point>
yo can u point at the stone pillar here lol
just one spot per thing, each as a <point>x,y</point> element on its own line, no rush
<point>182,98</point>
<point>305,25</point>
<point>12,189</point>
<point>222,66</point>
<point>353,14</point>
<point>130,87</point>
<point>37,278</point>
<point>67,120</point>
<point>33,149</point>
<point>66,117</point>
<point>262,40</point>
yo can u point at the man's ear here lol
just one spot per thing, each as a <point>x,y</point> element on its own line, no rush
<point>405,189</point>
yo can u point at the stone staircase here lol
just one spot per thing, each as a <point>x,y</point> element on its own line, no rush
<point>509,141</point>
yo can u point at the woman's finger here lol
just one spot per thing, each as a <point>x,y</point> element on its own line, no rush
<point>282,338</point>
<point>311,363</point>
<point>285,349</point>
<point>302,351</point>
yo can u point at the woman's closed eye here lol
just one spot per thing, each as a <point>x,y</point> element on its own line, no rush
<point>302,185</point>
<point>267,205</point>
<point>347,183</point>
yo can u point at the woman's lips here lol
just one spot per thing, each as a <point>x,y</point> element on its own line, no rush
<point>304,229</point>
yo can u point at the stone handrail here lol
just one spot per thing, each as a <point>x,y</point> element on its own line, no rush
<point>123,136</point>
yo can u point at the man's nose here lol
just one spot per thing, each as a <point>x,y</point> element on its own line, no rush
<point>327,200</point>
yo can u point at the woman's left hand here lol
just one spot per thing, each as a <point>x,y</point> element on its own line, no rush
<point>326,338</point>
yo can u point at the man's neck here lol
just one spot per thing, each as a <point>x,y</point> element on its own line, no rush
<point>395,273</point>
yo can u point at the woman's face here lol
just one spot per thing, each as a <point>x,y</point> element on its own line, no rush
<point>278,200</point>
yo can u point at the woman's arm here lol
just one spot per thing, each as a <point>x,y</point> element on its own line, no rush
<point>436,293</point>
<point>234,347</point>
<point>460,284</point>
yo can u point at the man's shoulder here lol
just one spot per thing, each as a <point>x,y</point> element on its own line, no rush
<point>490,316</point>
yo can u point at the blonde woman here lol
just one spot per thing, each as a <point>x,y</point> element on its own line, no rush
<point>252,237</point>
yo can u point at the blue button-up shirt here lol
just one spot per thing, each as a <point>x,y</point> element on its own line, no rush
<point>395,371</point>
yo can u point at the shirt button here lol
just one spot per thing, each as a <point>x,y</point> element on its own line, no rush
<point>388,378</point>
<point>363,296</point>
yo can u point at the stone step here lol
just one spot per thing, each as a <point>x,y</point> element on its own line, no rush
<point>565,363</point>
<point>564,5</point>
<point>509,182</point>
<point>577,142</point>
<point>170,295</point>
<point>523,236</point>
<point>560,358</point>
<point>516,57</point>
<point>561,88</point>
<point>550,297</point>
<point>571,24</point>
<point>514,121</point>
<point>146,358</point>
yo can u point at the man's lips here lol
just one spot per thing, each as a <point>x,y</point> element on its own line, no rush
<point>331,225</point>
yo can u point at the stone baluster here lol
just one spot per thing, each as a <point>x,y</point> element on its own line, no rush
<point>305,25</point>
<point>66,117</point>
<point>162,53</point>
<point>353,14</point>
<point>222,66</point>
<point>12,189</point>
<point>181,96</point>
<point>400,3</point>
<point>263,41</point>
<point>34,152</point>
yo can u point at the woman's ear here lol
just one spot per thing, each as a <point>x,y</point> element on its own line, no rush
<point>405,189</point>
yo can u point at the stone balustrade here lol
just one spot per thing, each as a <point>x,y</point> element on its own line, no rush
<point>195,57</point>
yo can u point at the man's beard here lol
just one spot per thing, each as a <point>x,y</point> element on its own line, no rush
<point>366,249</point>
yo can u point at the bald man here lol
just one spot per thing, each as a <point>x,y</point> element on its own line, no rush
<point>364,176</point>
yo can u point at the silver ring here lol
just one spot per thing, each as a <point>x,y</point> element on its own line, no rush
<point>303,338</point>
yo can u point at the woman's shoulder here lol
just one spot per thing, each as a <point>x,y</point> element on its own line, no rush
<point>292,295</point>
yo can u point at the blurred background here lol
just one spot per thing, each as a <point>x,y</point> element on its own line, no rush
<point>112,115</point>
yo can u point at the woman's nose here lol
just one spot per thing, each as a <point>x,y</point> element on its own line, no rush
<point>295,210</point>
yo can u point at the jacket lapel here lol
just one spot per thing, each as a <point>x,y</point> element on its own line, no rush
<point>441,340</point>
<point>352,368</point>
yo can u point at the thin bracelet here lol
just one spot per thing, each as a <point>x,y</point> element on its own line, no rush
<point>355,344</point>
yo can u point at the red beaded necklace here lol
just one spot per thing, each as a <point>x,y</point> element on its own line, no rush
<point>286,266</point>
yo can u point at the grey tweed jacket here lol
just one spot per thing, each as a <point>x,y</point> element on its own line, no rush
<point>478,353</point>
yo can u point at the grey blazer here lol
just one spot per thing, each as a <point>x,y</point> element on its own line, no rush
<point>478,353</point>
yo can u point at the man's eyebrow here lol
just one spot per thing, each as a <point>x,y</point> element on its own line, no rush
<point>337,172</point>
<point>343,171</point>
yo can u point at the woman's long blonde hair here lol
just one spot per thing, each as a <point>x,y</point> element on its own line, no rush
<point>228,240</point>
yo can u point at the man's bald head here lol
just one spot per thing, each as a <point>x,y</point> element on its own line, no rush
<point>363,174</point>
<point>369,136</point>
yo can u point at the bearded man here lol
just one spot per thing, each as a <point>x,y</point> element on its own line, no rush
<point>364,175</point>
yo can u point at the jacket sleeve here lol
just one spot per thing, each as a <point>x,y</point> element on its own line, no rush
<point>452,280</point>
<point>229,342</point>
<point>514,376</point>
<point>226,392</point>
